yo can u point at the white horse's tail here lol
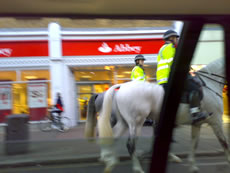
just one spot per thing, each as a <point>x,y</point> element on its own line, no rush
<point>104,126</point>
<point>91,118</point>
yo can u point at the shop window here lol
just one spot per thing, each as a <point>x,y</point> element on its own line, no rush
<point>29,97</point>
<point>85,89</point>
<point>20,99</point>
<point>150,71</point>
<point>6,93</point>
<point>121,81</point>
<point>37,100</point>
<point>49,100</point>
<point>83,103</point>
<point>28,75</point>
<point>43,89</point>
<point>8,76</point>
<point>123,74</point>
<point>99,88</point>
<point>5,101</point>
<point>85,92</point>
<point>93,74</point>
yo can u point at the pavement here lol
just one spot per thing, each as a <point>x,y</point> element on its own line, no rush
<point>47,148</point>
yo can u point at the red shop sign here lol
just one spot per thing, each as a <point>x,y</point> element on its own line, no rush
<point>23,48</point>
<point>111,47</point>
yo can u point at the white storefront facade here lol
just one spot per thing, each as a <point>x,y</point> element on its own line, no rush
<point>38,63</point>
<point>35,64</point>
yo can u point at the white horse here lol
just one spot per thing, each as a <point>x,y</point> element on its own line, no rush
<point>213,77</point>
<point>135,101</point>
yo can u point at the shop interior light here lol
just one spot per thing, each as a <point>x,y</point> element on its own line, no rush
<point>107,68</point>
<point>31,77</point>
<point>120,76</point>
<point>127,72</point>
<point>86,89</point>
<point>86,76</point>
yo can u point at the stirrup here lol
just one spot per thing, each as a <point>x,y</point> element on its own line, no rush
<point>199,117</point>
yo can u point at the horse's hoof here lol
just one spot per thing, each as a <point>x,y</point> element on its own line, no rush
<point>143,155</point>
<point>194,169</point>
<point>174,158</point>
<point>108,169</point>
<point>228,157</point>
<point>110,164</point>
<point>138,170</point>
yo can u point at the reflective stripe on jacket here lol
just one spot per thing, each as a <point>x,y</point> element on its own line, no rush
<point>138,74</point>
<point>164,62</point>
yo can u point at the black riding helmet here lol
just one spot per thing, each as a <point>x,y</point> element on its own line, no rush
<point>169,33</point>
<point>139,57</point>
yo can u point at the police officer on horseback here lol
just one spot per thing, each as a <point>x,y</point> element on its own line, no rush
<point>192,87</point>
<point>138,73</point>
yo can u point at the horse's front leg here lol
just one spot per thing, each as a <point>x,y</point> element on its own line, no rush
<point>195,140</point>
<point>108,155</point>
<point>131,146</point>
<point>218,130</point>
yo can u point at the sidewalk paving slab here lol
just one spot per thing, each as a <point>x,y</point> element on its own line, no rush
<point>71,147</point>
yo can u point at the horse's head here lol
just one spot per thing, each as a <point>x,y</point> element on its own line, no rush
<point>215,67</point>
<point>214,75</point>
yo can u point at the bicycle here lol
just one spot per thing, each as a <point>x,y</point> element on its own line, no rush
<point>54,121</point>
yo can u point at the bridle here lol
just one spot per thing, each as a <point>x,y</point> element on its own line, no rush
<point>202,73</point>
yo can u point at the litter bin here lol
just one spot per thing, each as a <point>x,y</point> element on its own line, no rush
<point>16,134</point>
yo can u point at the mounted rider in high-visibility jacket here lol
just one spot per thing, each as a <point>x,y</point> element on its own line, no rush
<point>164,63</point>
<point>138,73</point>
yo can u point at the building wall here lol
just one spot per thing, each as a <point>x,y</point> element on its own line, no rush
<point>80,23</point>
<point>210,45</point>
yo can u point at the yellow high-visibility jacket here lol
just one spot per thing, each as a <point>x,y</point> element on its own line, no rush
<point>138,74</point>
<point>164,62</point>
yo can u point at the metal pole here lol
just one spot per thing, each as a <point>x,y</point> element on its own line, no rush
<point>227,62</point>
<point>180,68</point>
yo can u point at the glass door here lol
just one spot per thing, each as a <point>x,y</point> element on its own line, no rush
<point>85,91</point>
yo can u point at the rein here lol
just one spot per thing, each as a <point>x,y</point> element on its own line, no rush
<point>213,74</point>
<point>199,73</point>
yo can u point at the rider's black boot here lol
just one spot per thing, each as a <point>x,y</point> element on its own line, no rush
<point>197,115</point>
